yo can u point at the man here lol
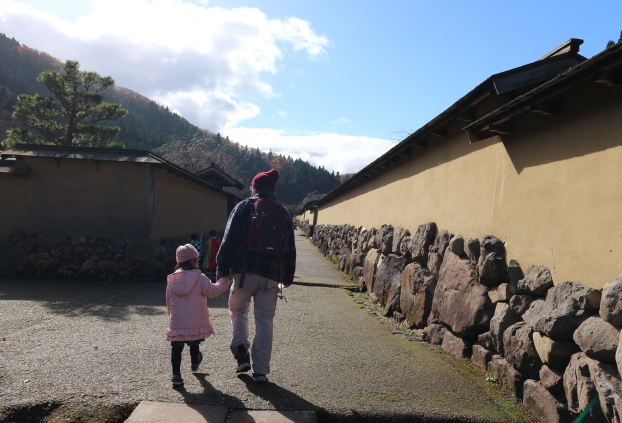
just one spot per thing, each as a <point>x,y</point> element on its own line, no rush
<point>260,276</point>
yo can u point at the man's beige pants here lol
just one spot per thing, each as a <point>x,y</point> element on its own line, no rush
<point>263,292</point>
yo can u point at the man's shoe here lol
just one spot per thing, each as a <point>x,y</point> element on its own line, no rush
<point>244,361</point>
<point>177,380</point>
<point>260,378</point>
<point>195,366</point>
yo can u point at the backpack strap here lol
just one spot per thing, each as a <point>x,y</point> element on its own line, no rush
<point>245,235</point>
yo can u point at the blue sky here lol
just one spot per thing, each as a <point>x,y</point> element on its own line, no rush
<point>336,83</point>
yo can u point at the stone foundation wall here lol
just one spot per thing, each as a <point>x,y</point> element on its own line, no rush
<point>54,255</point>
<point>555,345</point>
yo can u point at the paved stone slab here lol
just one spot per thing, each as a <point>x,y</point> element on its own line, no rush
<point>162,412</point>
<point>263,416</point>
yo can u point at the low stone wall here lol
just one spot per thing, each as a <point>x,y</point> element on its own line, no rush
<point>556,346</point>
<point>54,255</point>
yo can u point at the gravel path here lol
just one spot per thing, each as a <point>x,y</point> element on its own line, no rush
<point>89,349</point>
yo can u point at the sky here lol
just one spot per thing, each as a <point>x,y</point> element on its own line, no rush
<point>333,82</point>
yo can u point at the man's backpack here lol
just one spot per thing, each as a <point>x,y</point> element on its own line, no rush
<point>267,232</point>
<point>267,229</point>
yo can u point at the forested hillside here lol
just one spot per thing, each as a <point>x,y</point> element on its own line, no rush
<point>153,127</point>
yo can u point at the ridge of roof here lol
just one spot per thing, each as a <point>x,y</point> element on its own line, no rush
<point>602,61</point>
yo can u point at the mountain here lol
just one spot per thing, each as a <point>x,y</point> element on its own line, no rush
<point>153,127</point>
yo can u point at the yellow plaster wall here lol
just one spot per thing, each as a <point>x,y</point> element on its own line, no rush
<point>182,207</point>
<point>76,197</point>
<point>552,191</point>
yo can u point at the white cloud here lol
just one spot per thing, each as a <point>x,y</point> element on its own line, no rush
<point>340,121</point>
<point>282,113</point>
<point>342,153</point>
<point>202,62</point>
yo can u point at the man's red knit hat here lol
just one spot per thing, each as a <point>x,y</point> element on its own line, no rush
<point>266,180</point>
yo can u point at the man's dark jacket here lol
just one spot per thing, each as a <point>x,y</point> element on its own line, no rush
<point>230,257</point>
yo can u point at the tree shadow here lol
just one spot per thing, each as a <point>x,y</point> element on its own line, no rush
<point>109,301</point>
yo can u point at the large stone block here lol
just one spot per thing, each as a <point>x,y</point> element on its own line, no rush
<point>598,339</point>
<point>398,235</point>
<point>437,252</point>
<point>480,356</point>
<point>554,353</point>
<point>552,379</point>
<point>610,304</point>
<point>418,285</point>
<point>508,376</point>
<point>500,293</point>
<point>492,267</point>
<point>520,351</point>
<point>421,242</point>
<point>609,388</point>
<point>472,248</point>
<point>460,301</point>
<point>542,405</point>
<point>515,274</point>
<point>579,387</point>
<point>456,245</point>
<point>503,318</point>
<point>369,269</point>
<point>384,239</point>
<point>520,303</point>
<point>434,334</point>
<point>566,306</point>
<point>457,346</point>
<point>388,272</point>
<point>537,281</point>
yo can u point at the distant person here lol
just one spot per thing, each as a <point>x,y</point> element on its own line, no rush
<point>196,243</point>
<point>187,291</point>
<point>256,276</point>
<point>211,250</point>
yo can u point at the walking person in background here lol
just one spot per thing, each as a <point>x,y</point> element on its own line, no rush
<point>196,243</point>
<point>257,275</point>
<point>211,250</point>
<point>187,291</point>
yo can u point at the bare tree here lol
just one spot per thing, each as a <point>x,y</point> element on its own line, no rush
<point>199,153</point>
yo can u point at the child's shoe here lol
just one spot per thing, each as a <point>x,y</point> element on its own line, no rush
<point>195,366</point>
<point>177,380</point>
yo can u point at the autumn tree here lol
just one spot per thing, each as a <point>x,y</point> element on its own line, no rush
<point>72,117</point>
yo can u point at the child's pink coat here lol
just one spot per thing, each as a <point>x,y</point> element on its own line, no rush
<point>187,292</point>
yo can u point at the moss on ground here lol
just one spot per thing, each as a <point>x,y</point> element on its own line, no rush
<point>67,412</point>
<point>505,401</point>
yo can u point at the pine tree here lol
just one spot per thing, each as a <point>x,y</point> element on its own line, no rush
<point>72,117</point>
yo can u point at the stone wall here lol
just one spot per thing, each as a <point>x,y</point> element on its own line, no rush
<point>556,346</point>
<point>54,255</point>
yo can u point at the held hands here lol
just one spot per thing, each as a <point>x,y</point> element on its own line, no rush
<point>223,279</point>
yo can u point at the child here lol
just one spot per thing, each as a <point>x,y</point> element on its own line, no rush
<point>187,291</point>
